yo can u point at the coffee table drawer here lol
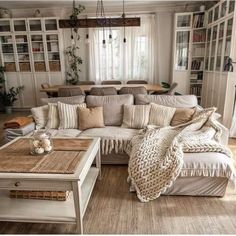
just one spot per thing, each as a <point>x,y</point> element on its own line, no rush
<point>14,184</point>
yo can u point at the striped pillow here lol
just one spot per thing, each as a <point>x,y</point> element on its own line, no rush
<point>68,115</point>
<point>136,116</point>
<point>160,115</point>
<point>53,116</point>
<point>40,115</point>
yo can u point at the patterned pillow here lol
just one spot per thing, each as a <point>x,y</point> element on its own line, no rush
<point>40,115</point>
<point>161,115</point>
<point>53,116</point>
<point>136,116</point>
<point>68,115</point>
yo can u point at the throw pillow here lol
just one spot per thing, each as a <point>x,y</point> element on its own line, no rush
<point>40,115</point>
<point>91,118</point>
<point>68,115</point>
<point>53,116</point>
<point>136,116</point>
<point>182,115</point>
<point>161,115</point>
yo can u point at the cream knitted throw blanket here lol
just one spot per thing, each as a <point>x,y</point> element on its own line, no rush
<point>156,155</point>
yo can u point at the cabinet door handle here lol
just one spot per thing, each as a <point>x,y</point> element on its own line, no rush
<point>17,184</point>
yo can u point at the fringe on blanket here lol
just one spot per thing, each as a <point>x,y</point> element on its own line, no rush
<point>116,145</point>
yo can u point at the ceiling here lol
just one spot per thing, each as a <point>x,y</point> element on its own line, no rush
<point>16,4</point>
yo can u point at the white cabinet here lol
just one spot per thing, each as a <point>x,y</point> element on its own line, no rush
<point>31,50</point>
<point>217,87</point>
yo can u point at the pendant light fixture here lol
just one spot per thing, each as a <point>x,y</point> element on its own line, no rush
<point>123,16</point>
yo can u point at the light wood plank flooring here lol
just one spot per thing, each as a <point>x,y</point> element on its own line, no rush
<point>114,210</point>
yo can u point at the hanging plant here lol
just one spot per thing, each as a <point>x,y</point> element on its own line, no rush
<point>72,52</point>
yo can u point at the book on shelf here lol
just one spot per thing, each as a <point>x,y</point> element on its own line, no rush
<point>197,64</point>
<point>196,89</point>
<point>199,36</point>
<point>198,20</point>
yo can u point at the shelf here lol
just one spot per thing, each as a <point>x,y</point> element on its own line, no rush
<point>38,52</point>
<point>196,70</point>
<point>36,41</point>
<point>200,28</point>
<point>198,56</point>
<point>53,51</point>
<point>31,210</point>
<point>6,43</point>
<point>198,42</point>
<point>21,42</point>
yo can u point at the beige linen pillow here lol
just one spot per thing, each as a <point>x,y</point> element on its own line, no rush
<point>40,115</point>
<point>68,115</point>
<point>160,115</point>
<point>53,116</point>
<point>136,116</point>
<point>91,118</point>
<point>182,115</point>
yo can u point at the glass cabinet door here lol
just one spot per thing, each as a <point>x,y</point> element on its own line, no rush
<point>53,52</point>
<point>228,41</point>
<point>184,21</point>
<point>208,48</point>
<point>182,50</point>
<point>51,24</point>
<point>231,5</point>
<point>38,52</point>
<point>216,13</point>
<point>213,48</point>
<point>210,16</point>
<point>22,49</point>
<point>220,45</point>
<point>35,25</point>
<point>19,25</point>
<point>5,26</point>
<point>8,53</point>
<point>223,9</point>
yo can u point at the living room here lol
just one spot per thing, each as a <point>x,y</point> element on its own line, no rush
<point>117,117</point>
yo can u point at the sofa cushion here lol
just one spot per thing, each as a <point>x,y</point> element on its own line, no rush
<point>53,116</point>
<point>40,115</point>
<point>113,138</point>
<point>182,115</point>
<point>160,115</point>
<point>91,118</point>
<point>211,164</point>
<point>136,116</point>
<point>64,132</point>
<point>112,107</point>
<point>68,115</point>
<point>68,100</point>
<point>185,101</point>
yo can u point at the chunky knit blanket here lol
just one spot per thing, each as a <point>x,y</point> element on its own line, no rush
<point>156,154</point>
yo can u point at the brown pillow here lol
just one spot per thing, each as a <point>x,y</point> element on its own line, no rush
<point>91,118</point>
<point>182,115</point>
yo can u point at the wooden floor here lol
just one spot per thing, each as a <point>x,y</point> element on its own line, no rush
<point>114,210</point>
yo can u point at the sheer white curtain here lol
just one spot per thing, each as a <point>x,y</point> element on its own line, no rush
<point>135,59</point>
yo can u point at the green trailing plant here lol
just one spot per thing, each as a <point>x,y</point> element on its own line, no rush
<point>2,75</point>
<point>7,98</point>
<point>72,52</point>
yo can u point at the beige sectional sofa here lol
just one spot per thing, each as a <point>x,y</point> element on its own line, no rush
<point>204,174</point>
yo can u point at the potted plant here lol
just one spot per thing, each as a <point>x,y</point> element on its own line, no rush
<point>72,52</point>
<point>7,98</point>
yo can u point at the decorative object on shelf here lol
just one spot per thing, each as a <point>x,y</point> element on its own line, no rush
<point>5,13</point>
<point>37,13</point>
<point>202,7</point>
<point>97,22</point>
<point>41,143</point>
<point>229,65</point>
<point>7,98</point>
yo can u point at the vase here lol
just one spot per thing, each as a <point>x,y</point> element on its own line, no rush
<point>41,143</point>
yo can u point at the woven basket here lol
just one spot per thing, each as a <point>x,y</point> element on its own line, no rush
<point>40,195</point>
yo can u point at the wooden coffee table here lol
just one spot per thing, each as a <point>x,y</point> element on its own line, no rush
<point>81,182</point>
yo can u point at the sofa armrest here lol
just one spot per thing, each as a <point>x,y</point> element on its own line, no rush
<point>11,134</point>
<point>224,139</point>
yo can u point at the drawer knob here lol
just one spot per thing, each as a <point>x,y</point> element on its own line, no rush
<point>17,184</point>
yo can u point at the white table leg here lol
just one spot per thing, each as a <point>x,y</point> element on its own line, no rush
<point>78,206</point>
<point>98,163</point>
